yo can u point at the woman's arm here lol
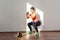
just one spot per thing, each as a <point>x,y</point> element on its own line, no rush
<point>28,15</point>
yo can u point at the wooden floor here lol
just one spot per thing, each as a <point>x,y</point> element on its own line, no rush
<point>42,36</point>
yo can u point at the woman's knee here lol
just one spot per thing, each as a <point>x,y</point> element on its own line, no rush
<point>28,24</point>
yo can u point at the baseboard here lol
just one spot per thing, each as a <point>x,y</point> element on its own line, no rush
<point>44,31</point>
<point>50,31</point>
<point>34,31</point>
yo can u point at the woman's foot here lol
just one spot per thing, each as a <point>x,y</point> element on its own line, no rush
<point>37,33</point>
<point>30,32</point>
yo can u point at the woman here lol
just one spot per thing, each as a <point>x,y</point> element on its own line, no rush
<point>36,22</point>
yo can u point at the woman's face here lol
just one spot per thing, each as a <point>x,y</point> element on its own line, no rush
<point>32,11</point>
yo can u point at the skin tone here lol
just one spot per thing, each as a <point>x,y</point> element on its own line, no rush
<point>32,15</point>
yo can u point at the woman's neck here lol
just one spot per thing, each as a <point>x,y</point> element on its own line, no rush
<point>33,12</point>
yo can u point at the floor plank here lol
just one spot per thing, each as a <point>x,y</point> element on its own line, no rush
<point>42,36</point>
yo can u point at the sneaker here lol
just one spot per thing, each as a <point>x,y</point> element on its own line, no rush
<point>37,33</point>
<point>30,32</point>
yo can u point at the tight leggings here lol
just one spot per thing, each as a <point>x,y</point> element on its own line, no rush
<point>34,24</point>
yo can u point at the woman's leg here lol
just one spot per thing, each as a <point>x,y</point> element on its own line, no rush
<point>29,25</point>
<point>32,24</point>
<point>35,27</point>
<point>36,24</point>
<point>36,33</point>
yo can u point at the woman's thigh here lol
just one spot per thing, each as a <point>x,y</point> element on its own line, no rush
<point>30,23</point>
<point>38,23</point>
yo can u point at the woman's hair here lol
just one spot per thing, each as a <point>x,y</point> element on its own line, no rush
<point>32,8</point>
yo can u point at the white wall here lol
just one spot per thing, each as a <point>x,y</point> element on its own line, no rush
<point>51,10</point>
<point>12,15</point>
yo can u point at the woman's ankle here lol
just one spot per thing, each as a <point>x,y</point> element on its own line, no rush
<point>37,33</point>
<point>30,32</point>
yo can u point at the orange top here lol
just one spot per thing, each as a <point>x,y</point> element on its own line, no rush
<point>34,18</point>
